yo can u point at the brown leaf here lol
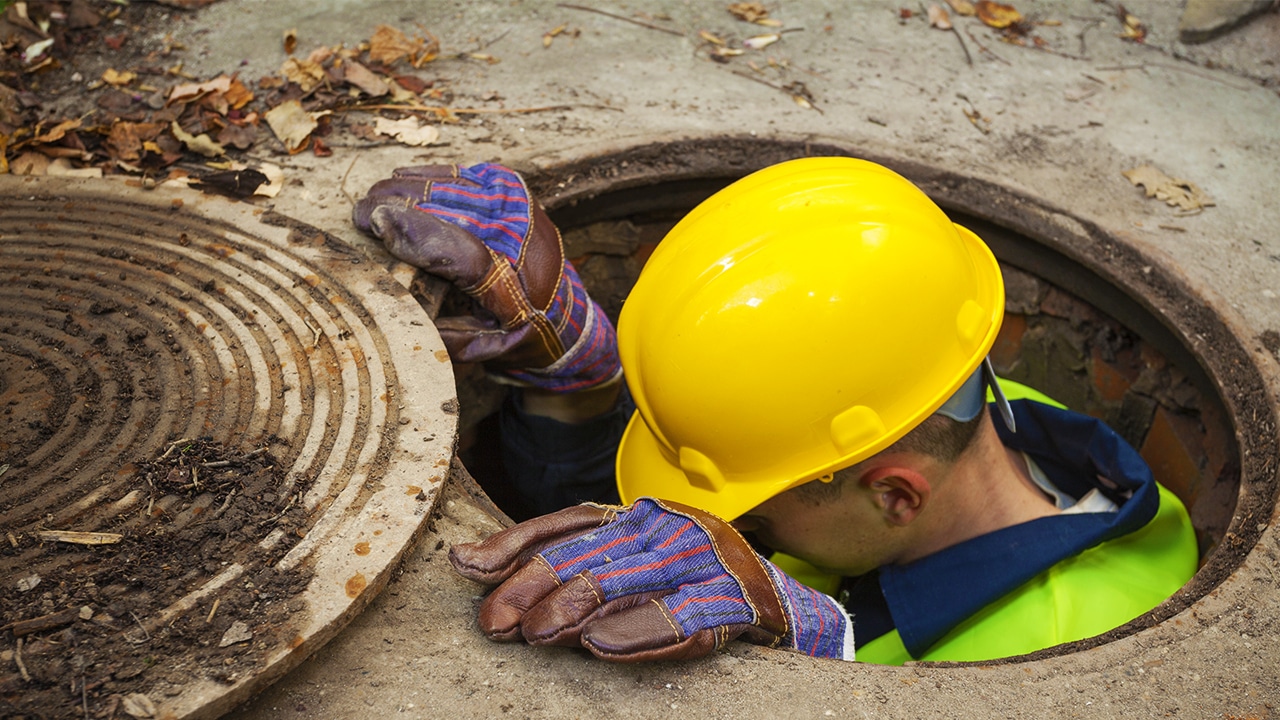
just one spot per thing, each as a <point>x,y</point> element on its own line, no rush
<point>939,18</point>
<point>202,143</point>
<point>238,95</point>
<point>56,132</point>
<point>186,92</point>
<point>749,11</point>
<point>996,15</point>
<point>125,139</point>
<point>240,137</point>
<point>714,40</point>
<point>1183,194</point>
<point>111,76</point>
<point>963,8</point>
<point>412,83</point>
<point>308,75</point>
<point>290,41</point>
<point>29,163</point>
<point>388,45</point>
<point>292,125</point>
<point>363,78</point>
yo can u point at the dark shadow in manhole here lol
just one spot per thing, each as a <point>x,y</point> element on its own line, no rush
<point>1089,320</point>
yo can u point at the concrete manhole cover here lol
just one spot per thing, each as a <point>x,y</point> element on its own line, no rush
<point>219,430</point>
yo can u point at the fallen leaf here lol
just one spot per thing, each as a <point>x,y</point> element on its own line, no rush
<point>1183,194</point>
<point>290,41</point>
<point>1133,29</point>
<point>364,79</point>
<point>939,18</point>
<point>548,36</point>
<point>485,57</point>
<point>963,8</point>
<point>187,92</point>
<point>710,38</point>
<point>412,83</point>
<point>125,139</point>
<point>35,50</point>
<point>62,167</point>
<point>201,143</point>
<point>761,41</point>
<point>241,183</point>
<point>238,94</point>
<point>111,76</point>
<point>56,132</point>
<point>407,131</point>
<point>388,45</point>
<point>996,15</point>
<point>749,11</point>
<point>307,74</point>
<point>29,163</point>
<point>292,125</point>
<point>275,180</point>
<point>138,705</point>
<point>240,137</point>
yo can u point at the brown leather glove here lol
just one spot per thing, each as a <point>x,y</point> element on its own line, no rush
<point>654,581</point>
<point>478,228</point>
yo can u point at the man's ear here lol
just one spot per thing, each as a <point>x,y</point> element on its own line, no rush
<point>899,492</point>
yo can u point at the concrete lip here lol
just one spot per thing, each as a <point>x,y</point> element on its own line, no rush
<point>1138,290</point>
<point>145,317</point>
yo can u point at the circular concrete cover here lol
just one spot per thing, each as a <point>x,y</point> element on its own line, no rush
<point>219,431</point>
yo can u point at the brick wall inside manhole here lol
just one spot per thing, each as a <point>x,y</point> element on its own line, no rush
<point>1100,348</point>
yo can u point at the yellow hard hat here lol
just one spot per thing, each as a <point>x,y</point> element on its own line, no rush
<point>798,321</point>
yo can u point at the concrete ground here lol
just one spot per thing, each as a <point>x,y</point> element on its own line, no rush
<point>1058,124</point>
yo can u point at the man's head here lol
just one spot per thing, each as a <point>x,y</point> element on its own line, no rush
<point>800,321</point>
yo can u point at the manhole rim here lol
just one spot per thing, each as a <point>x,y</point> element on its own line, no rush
<point>564,179</point>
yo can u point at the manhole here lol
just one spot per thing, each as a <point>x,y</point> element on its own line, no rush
<point>1090,320</point>
<point>252,417</point>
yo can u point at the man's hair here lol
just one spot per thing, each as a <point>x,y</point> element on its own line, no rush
<point>938,436</point>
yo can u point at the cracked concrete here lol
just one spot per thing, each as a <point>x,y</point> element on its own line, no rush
<point>1059,128</point>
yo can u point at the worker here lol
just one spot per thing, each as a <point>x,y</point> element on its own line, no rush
<point>805,353</point>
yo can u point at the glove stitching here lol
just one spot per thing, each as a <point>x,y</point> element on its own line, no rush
<point>587,577</point>
<point>666,614</point>
<point>547,566</point>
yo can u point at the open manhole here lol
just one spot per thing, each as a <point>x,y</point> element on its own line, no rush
<point>219,431</point>
<point>1089,321</point>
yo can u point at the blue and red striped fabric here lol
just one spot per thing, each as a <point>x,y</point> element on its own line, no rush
<point>494,206</point>
<point>652,549</point>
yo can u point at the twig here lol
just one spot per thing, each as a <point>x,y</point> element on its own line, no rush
<point>22,667</point>
<point>1193,71</point>
<point>44,622</point>
<point>984,48</point>
<point>216,464</point>
<point>343,185</point>
<point>84,697</point>
<point>79,538</point>
<point>775,86</point>
<point>288,505</point>
<point>623,18</point>
<point>968,58</point>
<point>212,610</point>
<point>443,111</point>
<point>145,635</point>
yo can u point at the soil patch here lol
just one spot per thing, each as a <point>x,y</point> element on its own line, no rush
<point>99,630</point>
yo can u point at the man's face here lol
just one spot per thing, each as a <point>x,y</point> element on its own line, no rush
<point>837,529</point>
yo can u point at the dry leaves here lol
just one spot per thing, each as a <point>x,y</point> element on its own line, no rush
<point>962,7</point>
<point>753,12</point>
<point>408,131</point>
<point>293,125</point>
<point>388,45</point>
<point>939,18</point>
<point>996,15</point>
<point>1132,28</point>
<point>1183,194</point>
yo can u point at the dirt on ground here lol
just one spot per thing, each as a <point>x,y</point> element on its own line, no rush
<point>95,627</point>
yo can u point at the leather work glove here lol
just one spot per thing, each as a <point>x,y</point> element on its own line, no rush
<point>477,228</point>
<point>654,581</point>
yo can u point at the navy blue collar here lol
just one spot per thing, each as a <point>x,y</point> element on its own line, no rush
<point>929,597</point>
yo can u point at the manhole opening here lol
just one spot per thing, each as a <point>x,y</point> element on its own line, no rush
<point>1126,353</point>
